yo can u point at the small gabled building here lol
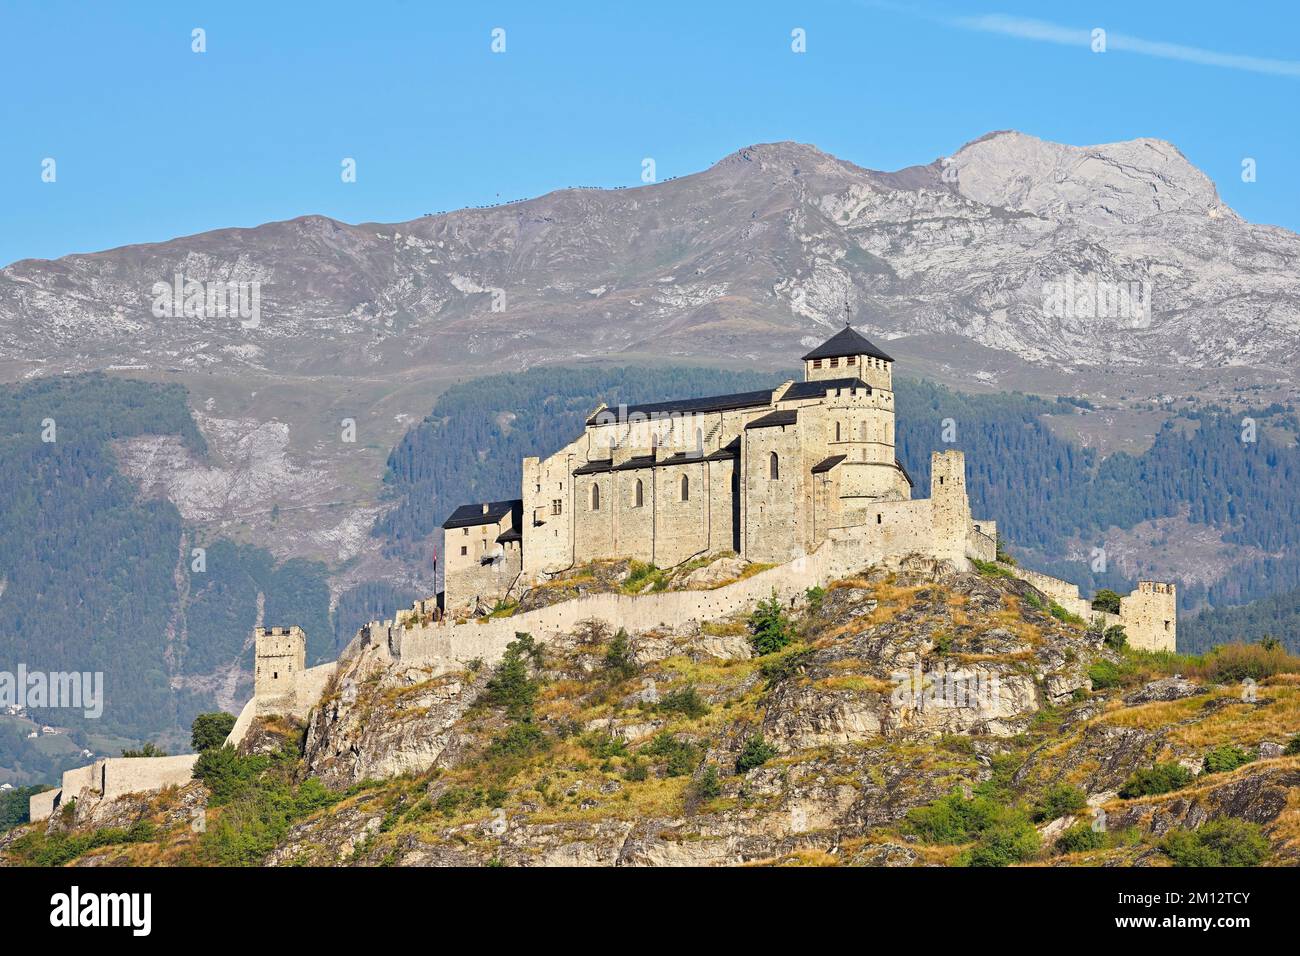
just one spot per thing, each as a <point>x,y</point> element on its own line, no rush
<point>482,552</point>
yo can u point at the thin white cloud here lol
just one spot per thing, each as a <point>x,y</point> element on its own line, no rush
<point>1042,31</point>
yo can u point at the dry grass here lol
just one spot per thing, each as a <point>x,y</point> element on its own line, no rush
<point>1274,716</point>
<point>855,682</point>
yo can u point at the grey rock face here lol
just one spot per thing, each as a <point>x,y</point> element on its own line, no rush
<point>745,260</point>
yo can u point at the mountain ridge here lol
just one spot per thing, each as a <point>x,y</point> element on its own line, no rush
<point>744,259</point>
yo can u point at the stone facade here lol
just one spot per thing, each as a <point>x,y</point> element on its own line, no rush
<point>281,654</point>
<point>113,777</point>
<point>766,474</point>
<point>1150,616</point>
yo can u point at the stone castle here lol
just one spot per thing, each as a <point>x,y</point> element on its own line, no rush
<point>802,477</point>
<point>768,475</point>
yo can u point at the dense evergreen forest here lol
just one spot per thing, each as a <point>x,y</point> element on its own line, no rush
<point>89,571</point>
<point>1277,616</point>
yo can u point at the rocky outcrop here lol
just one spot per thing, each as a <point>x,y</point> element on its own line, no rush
<point>381,721</point>
<point>677,749</point>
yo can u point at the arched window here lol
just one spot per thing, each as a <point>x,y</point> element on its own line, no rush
<point>773,467</point>
<point>699,441</point>
<point>686,488</point>
<point>595,497</point>
<point>837,431</point>
<point>638,494</point>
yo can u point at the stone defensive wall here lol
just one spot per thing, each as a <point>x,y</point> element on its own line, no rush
<point>1147,614</point>
<point>845,551</point>
<point>113,777</point>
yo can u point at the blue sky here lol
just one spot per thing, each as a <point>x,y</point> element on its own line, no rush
<point>153,141</point>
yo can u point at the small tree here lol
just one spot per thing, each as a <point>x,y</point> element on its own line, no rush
<point>1115,637</point>
<point>618,657</point>
<point>1106,600</point>
<point>210,730</point>
<point>755,753</point>
<point>1059,800</point>
<point>511,687</point>
<point>770,629</point>
<point>709,784</point>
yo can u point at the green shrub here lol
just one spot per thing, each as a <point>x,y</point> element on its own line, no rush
<point>755,753</point>
<point>815,594</point>
<point>680,756</point>
<point>227,774</point>
<point>709,784</point>
<point>1115,637</point>
<point>1225,758</point>
<point>1080,837</point>
<point>1006,842</point>
<point>1002,834</point>
<point>56,849</point>
<point>1064,616</point>
<point>786,665</point>
<point>1103,674</point>
<point>1059,801</point>
<point>604,746</point>
<point>952,819</point>
<point>1292,746</point>
<point>210,730</point>
<point>519,740</point>
<point>148,750</point>
<point>1106,600</point>
<point>618,657</point>
<point>685,701</point>
<point>991,569</point>
<point>639,574</point>
<point>1224,842</point>
<point>1161,778</point>
<point>1233,663</point>
<point>770,629</point>
<point>636,771</point>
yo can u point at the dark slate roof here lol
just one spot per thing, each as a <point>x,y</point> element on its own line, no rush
<point>594,467</point>
<point>467,516</point>
<point>899,465</point>
<point>827,464</point>
<point>846,342</point>
<point>600,466</point>
<point>712,403</point>
<point>512,535</point>
<point>726,452</point>
<point>818,389</point>
<point>772,419</point>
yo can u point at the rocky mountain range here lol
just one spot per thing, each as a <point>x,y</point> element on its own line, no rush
<point>743,262</point>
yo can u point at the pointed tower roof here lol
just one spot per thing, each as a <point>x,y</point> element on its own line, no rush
<point>847,341</point>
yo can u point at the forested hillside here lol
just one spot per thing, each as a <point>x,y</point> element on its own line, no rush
<point>94,578</point>
<point>1276,616</point>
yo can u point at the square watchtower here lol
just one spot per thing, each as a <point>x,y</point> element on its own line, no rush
<point>281,657</point>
